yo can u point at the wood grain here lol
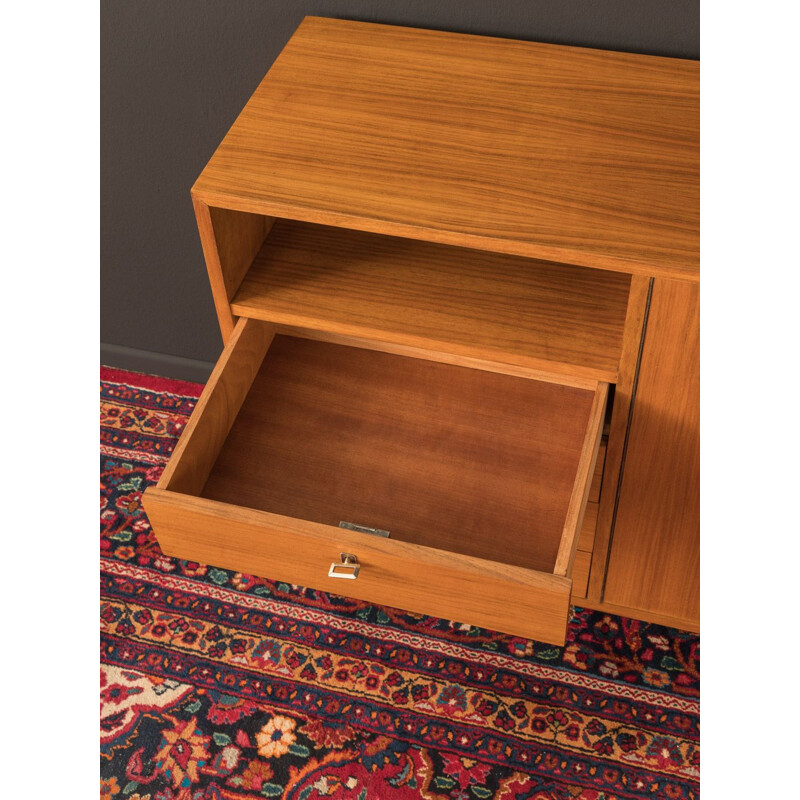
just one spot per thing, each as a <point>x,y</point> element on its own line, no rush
<point>583,481</point>
<point>623,391</point>
<point>580,574</point>
<point>442,357</point>
<point>230,241</point>
<point>597,478</point>
<point>457,459</point>
<point>219,292</point>
<point>393,573</point>
<point>216,409</point>
<point>588,528</point>
<point>506,309</point>
<point>239,237</point>
<point>655,552</point>
<point>568,154</point>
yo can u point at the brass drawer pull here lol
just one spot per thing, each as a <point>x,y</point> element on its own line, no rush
<point>347,568</point>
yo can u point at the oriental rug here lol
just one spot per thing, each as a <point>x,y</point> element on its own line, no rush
<point>216,684</point>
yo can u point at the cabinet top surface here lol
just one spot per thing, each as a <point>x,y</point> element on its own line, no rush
<point>569,154</point>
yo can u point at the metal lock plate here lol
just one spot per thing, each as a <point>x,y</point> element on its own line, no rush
<point>351,526</point>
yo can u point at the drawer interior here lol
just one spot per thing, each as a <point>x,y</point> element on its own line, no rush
<point>458,459</point>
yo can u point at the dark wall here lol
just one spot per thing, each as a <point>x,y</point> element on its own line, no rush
<point>174,75</point>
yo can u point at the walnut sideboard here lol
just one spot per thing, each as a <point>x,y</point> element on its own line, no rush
<point>457,278</point>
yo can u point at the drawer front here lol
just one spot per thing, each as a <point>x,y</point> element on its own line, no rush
<point>518,601</point>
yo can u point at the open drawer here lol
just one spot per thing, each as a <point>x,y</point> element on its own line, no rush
<point>480,478</point>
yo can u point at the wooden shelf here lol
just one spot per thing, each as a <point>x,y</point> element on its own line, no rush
<point>472,304</point>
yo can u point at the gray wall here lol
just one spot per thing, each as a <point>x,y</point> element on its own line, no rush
<point>174,75</point>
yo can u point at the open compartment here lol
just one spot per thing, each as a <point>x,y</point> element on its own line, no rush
<point>481,478</point>
<point>454,304</point>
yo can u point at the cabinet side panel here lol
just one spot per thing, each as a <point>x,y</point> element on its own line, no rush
<point>654,563</point>
<point>230,241</point>
<point>239,237</point>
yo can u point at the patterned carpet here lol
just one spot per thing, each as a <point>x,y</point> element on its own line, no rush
<point>216,684</point>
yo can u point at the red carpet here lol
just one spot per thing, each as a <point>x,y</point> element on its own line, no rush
<point>222,685</point>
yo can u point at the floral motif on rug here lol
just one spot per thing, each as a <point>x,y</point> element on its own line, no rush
<point>217,684</point>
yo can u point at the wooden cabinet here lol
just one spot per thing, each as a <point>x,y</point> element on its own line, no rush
<point>457,280</point>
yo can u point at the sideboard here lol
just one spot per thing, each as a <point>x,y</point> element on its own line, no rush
<point>457,278</point>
